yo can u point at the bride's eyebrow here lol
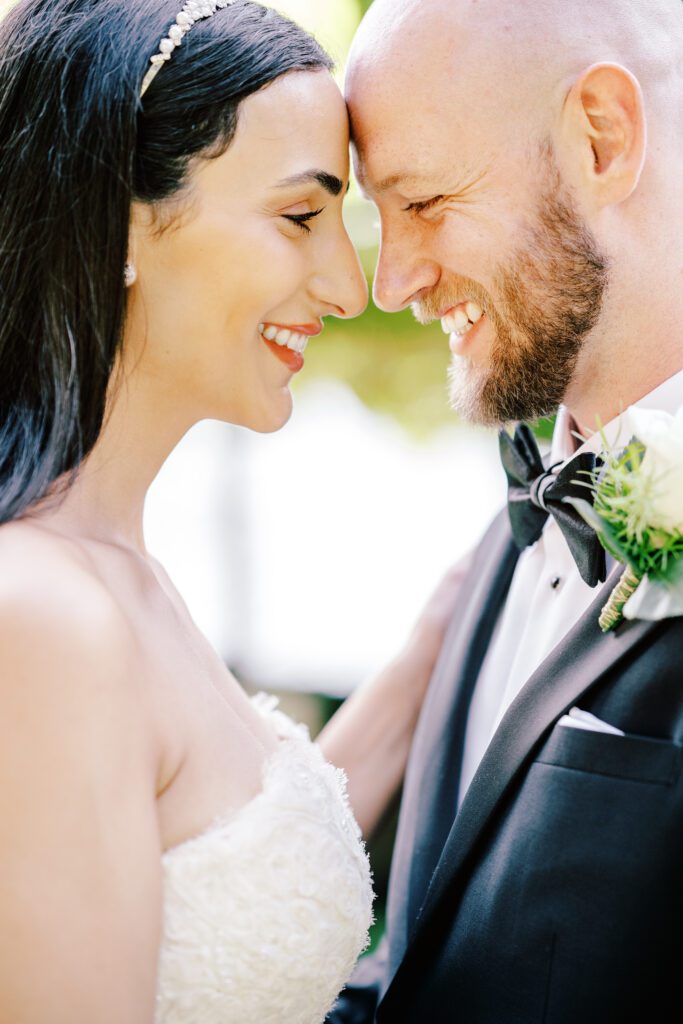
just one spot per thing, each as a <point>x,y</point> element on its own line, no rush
<point>330,182</point>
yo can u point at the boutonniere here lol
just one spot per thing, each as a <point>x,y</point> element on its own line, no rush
<point>637,513</point>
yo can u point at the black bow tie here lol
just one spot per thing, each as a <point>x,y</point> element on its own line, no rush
<point>534,493</point>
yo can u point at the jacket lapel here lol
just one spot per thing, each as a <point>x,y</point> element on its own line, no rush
<point>575,664</point>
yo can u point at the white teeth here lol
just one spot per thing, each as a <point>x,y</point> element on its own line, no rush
<point>298,343</point>
<point>284,337</point>
<point>462,319</point>
<point>474,312</point>
<point>455,323</point>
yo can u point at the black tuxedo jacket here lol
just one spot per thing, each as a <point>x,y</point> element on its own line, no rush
<point>555,895</point>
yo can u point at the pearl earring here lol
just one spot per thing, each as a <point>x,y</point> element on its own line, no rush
<point>130,274</point>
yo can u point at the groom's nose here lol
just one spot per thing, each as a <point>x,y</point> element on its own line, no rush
<point>402,275</point>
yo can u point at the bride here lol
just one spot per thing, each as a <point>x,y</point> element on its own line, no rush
<point>172,238</point>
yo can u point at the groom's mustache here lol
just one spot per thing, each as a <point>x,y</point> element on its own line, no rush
<point>446,296</point>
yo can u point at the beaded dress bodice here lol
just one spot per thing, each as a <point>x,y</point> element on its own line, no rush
<point>267,911</point>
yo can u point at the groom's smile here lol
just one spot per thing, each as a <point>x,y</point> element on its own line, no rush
<point>484,226</point>
<point>459,324</point>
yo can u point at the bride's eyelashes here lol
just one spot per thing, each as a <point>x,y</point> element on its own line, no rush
<point>302,219</point>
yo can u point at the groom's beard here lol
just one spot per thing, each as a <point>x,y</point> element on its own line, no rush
<point>542,312</point>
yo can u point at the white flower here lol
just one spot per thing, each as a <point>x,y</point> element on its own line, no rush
<point>662,467</point>
<point>653,602</point>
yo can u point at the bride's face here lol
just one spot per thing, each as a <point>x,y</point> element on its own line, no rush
<point>255,245</point>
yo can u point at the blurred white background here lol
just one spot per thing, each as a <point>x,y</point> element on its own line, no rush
<point>306,556</point>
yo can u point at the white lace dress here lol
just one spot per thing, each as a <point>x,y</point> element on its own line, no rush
<point>267,911</point>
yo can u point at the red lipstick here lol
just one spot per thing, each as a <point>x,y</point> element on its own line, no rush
<point>292,360</point>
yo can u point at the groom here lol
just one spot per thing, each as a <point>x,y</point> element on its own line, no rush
<point>526,161</point>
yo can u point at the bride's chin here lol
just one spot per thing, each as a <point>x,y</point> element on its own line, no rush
<point>272,417</point>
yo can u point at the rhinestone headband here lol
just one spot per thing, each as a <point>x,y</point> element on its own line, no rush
<point>194,10</point>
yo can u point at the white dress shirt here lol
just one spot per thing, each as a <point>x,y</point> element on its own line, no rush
<point>546,599</point>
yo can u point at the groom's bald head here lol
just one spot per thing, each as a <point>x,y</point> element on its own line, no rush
<point>515,52</point>
<point>494,72</point>
<point>523,123</point>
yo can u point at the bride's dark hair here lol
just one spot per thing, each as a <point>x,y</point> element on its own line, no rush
<point>77,146</point>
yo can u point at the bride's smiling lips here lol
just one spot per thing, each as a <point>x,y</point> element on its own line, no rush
<point>288,342</point>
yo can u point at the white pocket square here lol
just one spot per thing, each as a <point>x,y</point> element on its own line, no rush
<point>578,719</point>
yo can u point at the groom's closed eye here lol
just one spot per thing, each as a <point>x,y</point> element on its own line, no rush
<point>420,207</point>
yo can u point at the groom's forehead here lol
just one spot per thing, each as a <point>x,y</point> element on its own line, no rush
<point>422,91</point>
<point>405,126</point>
<point>415,64</point>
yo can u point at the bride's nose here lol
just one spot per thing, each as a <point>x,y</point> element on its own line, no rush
<point>341,282</point>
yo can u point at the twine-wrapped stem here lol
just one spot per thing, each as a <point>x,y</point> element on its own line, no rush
<point>613,612</point>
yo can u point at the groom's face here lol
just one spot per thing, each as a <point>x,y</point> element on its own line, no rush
<point>478,229</point>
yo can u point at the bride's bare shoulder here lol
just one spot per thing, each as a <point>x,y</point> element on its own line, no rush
<point>52,597</point>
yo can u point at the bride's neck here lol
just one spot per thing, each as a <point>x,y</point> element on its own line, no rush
<point>106,501</point>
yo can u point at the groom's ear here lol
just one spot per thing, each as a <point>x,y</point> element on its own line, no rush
<point>604,133</point>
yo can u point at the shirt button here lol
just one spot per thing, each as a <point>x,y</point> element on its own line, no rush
<point>556,582</point>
